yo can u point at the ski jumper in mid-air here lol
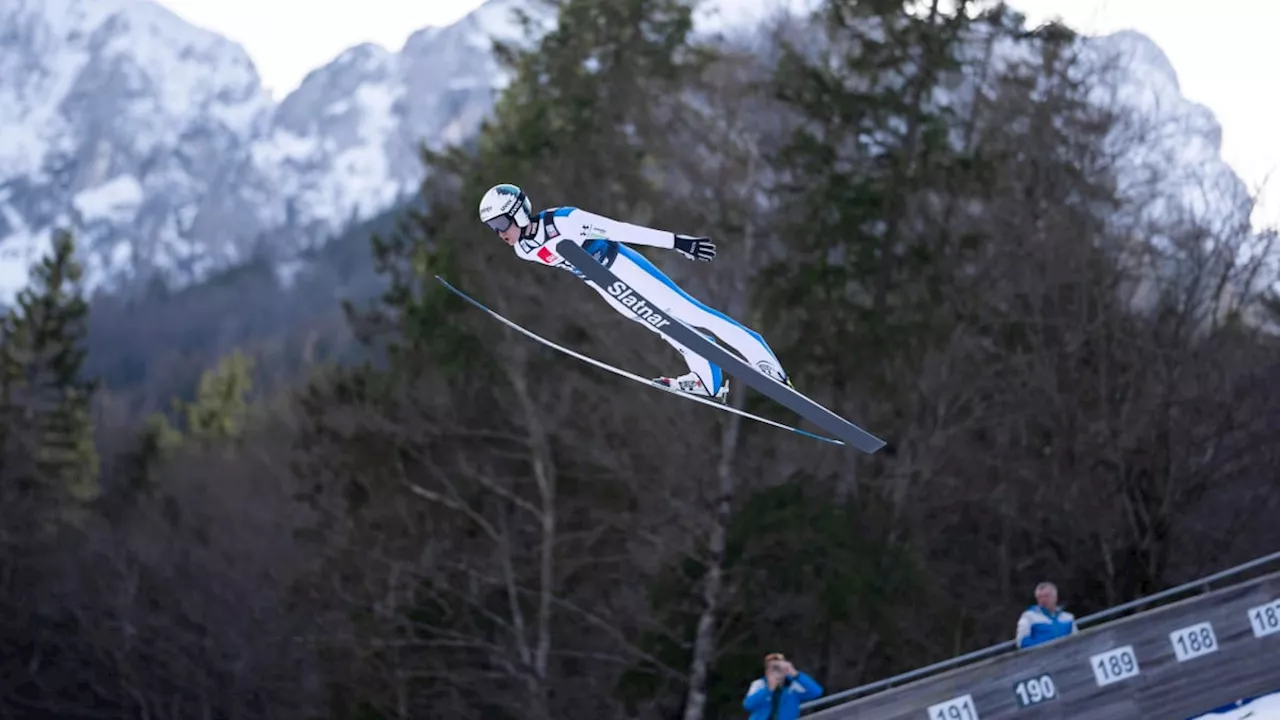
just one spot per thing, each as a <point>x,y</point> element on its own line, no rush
<point>507,210</point>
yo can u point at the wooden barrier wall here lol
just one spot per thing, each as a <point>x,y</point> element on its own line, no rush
<point>1170,663</point>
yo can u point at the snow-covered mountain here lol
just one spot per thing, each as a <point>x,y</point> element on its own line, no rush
<point>120,119</point>
<point>155,141</point>
<point>344,144</point>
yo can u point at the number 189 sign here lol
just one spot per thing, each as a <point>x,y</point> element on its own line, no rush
<point>1114,665</point>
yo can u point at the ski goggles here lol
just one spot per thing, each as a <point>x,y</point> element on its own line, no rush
<point>500,223</point>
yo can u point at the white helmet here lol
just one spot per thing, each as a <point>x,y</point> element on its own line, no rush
<point>504,205</point>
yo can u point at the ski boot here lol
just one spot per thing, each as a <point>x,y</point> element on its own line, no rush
<point>771,372</point>
<point>690,384</point>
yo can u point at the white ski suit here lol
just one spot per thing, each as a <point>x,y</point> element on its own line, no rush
<point>606,240</point>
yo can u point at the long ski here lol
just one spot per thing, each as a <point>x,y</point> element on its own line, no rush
<point>688,337</point>
<point>629,375</point>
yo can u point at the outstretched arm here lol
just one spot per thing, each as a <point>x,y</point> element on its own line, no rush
<point>594,225</point>
<point>694,248</point>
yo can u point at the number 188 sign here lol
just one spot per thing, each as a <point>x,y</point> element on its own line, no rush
<point>1193,641</point>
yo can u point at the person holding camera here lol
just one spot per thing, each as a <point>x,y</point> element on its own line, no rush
<point>777,695</point>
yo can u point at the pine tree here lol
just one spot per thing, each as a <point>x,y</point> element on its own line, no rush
<point>155,442</point>
<point>42,392</point>
<point>590,112</point>
<point>221,407</point>
<point>872,152</point>
<point>216,418</point>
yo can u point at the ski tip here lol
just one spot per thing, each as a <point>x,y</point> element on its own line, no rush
<point>866,442</point>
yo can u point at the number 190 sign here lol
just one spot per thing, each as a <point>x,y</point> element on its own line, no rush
<point>1034,691</point>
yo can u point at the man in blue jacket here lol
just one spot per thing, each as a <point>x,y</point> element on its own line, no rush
<point>1045,620</point>
<point>777,695</point>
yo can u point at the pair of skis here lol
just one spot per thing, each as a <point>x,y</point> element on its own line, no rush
<point>848,433</point>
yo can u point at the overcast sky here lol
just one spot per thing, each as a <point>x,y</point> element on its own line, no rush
<point>1225,52</point>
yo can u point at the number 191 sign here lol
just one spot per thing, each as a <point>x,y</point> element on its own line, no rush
<point>960,708</point>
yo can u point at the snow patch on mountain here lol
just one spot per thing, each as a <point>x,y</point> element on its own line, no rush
<point>330,149</point>
<point>116,200</point>
<point>1172,146</point>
